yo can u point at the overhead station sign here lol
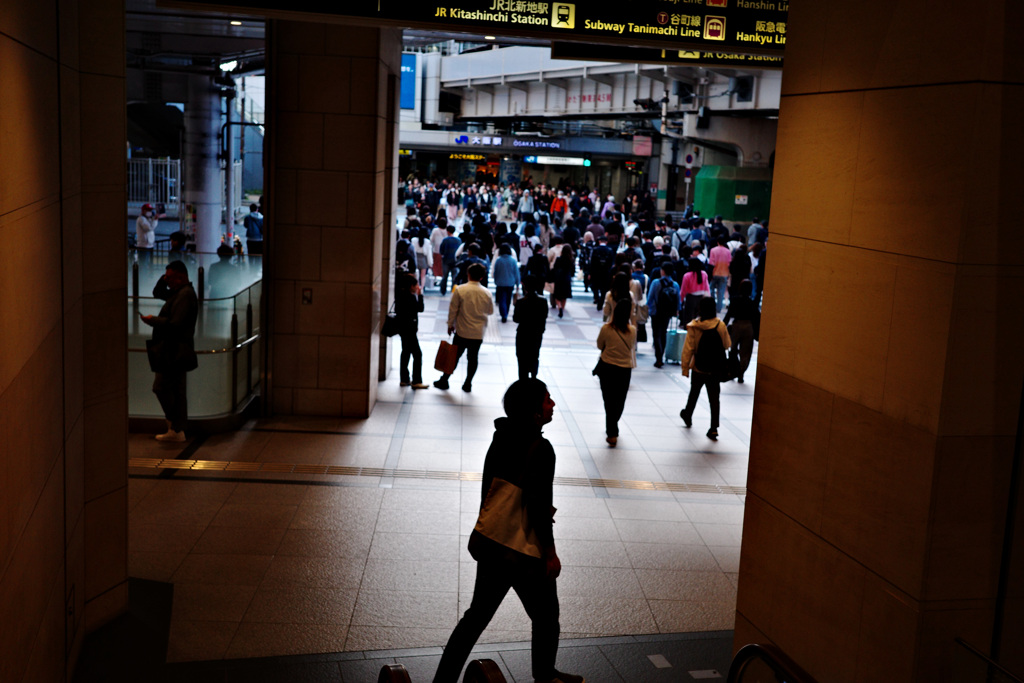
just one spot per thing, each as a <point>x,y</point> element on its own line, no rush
<point>650,55</point>
<point>715,25</point>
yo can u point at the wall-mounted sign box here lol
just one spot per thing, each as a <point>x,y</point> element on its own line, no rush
<point>555,161</point>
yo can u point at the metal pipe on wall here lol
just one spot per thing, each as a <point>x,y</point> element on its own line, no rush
<point>229,166</point>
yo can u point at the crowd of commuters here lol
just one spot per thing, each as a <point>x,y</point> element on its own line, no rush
<point>538,239</point>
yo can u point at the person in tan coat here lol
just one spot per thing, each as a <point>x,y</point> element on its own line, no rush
<point>707,361</point>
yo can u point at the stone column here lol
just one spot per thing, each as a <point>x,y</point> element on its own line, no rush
<point>203,186</point>
<point>889,376</point>
<point>63,344</point>
<point>331,199</point>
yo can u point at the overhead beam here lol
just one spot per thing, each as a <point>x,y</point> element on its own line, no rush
<point>556,82</point>
<point>598,78</point>
<point>659,74</point>
<point>521,86</point>
<point>481,87</point>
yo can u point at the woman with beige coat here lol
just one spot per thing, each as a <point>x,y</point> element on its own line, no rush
<point>707,360</point>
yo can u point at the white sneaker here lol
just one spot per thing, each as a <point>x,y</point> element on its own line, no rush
<point>171,435</point>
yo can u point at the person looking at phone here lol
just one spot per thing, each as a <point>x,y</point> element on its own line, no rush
<point>172,349</point>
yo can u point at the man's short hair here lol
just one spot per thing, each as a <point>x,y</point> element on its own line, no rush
<point>178,267</point>
<point>476,272</point>
<point>450,229</point>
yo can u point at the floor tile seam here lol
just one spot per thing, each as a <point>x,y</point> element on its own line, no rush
<point>472,477</point>
<point>518,646</point>
<point>362,573</point>
<point>579,443</point>
<point>238,624</point>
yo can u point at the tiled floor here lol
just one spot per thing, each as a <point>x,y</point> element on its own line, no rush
<point>292,560</point>
<point>632,659</point>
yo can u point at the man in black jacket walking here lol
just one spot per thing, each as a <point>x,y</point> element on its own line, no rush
<point>512,549</point>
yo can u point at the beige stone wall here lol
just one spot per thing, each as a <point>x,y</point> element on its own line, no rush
<point>331,202</point>
<point>889,380</point>
<point>63,367</point>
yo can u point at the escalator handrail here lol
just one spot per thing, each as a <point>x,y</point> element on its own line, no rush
<point>773,657</point>
<point>1010,676</point>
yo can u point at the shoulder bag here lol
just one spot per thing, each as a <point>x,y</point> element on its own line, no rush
<point>503,517</point>
<point>390,326</point>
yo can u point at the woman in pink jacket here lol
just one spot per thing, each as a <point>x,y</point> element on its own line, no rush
<point>694,287</point>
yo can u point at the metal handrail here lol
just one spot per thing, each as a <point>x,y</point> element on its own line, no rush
<point>776,659</point>
<point>988,661</point>
<point>228,349</point>
<point>220,298</point>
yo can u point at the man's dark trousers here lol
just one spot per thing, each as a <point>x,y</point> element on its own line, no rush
<point>659,332</point>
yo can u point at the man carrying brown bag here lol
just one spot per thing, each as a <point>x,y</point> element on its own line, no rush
<point>470,307</point>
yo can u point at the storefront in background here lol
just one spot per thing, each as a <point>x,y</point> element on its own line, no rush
<point>609,165</point>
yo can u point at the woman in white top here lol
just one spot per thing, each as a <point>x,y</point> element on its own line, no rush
<point>145,228</point>
<point>617,341</point>
<point>424,257</point>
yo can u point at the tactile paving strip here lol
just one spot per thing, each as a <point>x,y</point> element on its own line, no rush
<point>324,470</point>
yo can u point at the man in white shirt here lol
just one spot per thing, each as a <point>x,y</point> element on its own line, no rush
<point>470,306</point>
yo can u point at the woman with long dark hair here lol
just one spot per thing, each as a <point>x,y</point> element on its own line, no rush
<point>408,306</point>
<point>423,253</point>
<point>743,320</point>
<point>620,291</point>
<point>706,360</point>
<point>561,276</point>
<point>694,287</point>
<point>617,341</point>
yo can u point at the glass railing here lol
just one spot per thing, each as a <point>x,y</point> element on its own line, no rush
<point>227,339</point>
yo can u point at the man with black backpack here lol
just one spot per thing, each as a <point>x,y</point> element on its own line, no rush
<point>707,338</point>
<point>662,304</point>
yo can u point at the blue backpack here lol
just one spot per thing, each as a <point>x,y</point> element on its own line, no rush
<point>667,302</point>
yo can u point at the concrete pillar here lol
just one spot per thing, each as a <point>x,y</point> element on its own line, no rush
<point>889,376</point>
<point>332,115</point>
<point>202,167</point>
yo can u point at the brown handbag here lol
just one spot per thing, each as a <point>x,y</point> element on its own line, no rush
<point>447,357</point>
